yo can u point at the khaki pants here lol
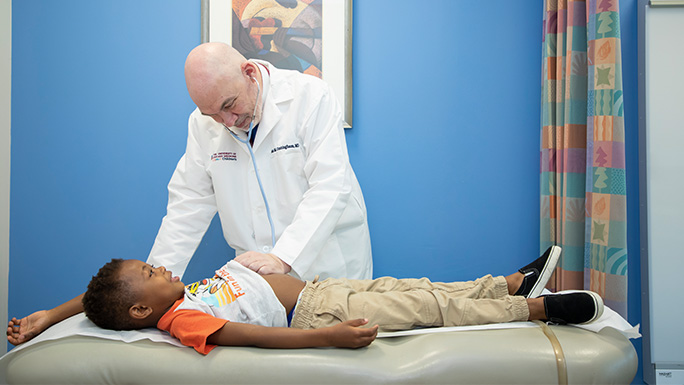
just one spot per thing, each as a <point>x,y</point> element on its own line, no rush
<point>403,304</point>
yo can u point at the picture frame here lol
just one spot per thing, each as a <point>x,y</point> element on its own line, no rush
<point>289,37</point>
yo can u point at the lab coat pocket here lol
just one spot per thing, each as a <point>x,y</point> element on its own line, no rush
<point>353,214</point>
<point>289,180</point>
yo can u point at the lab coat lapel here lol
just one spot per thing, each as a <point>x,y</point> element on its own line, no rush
<point>277,96</point>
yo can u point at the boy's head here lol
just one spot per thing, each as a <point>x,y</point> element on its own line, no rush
<point>130,294</point>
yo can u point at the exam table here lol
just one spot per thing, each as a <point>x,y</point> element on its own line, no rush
<point>534,353</point>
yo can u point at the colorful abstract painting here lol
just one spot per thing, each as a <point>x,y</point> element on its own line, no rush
<point>287,33</point>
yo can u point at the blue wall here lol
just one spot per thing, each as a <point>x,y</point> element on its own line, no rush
<point>445,140</point>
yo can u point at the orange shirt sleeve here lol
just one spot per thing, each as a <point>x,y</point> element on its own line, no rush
<point>191,327</point>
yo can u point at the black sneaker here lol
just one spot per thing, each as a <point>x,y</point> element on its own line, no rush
<point>573,307</point>
<point>537,273</point>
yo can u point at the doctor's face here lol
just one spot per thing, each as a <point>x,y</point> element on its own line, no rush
<point>231,103</point>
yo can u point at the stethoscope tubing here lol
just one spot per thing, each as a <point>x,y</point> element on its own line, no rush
<point>256,169</point>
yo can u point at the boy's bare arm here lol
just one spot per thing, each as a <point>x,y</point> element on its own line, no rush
<point>23,330</point>
<point>348,334</point>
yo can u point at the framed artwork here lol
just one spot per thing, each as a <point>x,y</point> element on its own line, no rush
<point>311,36</point>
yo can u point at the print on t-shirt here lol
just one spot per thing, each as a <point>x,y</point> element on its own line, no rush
<point>220,290</point>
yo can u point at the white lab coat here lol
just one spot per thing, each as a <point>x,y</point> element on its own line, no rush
<point>315,199</point>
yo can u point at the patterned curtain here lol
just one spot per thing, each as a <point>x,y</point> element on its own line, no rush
<point>583,189</point>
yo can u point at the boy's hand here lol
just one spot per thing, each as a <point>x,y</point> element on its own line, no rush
<point>348,334</point>
<point>23,330</point>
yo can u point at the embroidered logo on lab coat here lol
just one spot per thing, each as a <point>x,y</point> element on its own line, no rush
<point>285,147</point>
<point>223,156</point>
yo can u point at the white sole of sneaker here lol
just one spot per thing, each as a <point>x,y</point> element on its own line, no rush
<point>546,273</point>
<point>598,303</point>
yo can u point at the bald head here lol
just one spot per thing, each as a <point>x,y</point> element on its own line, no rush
<point>209,65</point>
<point>223,84</point>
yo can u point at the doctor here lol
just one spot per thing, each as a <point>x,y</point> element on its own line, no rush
<point>316,207</point>
<point>302,211</point>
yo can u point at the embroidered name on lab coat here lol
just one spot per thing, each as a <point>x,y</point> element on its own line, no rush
<point>285,147</point>
<point>223,156</point>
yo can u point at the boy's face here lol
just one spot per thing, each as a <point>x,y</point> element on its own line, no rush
<point>156,286</point>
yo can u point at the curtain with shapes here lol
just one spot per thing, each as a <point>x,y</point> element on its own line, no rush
<point>583,189</point>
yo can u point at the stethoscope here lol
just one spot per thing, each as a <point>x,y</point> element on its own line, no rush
<point>251,153</point>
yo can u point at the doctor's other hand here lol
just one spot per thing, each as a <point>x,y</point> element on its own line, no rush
<point>263,263</point>
<point>23,330</point>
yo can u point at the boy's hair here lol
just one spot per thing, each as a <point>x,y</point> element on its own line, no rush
<point>108,298</point>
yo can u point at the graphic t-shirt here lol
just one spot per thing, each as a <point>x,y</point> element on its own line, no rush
<point>235,294</point>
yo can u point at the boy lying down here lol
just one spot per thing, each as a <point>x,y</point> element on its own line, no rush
<point>239,307</point>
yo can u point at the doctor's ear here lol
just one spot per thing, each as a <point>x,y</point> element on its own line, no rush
<point>250,70</point>
<point>140,312</point>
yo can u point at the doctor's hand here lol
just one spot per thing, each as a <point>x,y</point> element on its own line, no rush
<point>23,330</point>
<point>263,263</point>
